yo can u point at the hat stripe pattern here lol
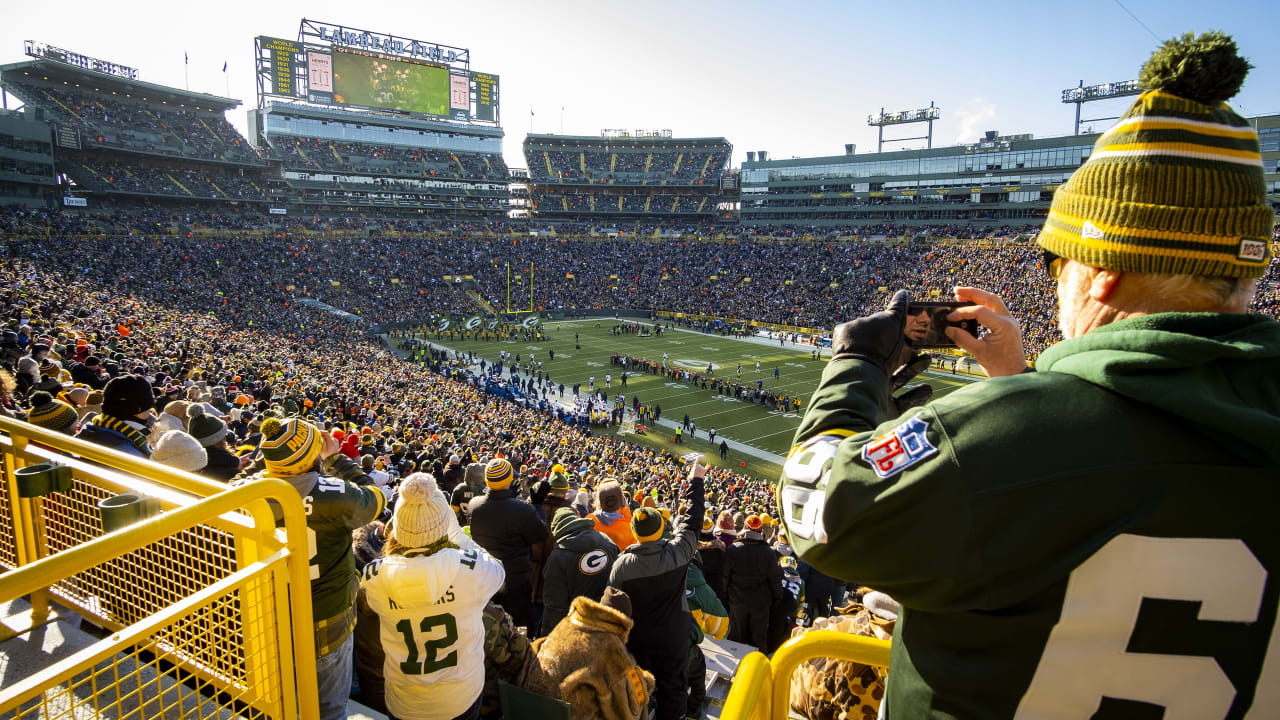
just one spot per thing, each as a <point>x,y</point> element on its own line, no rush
<point>300,439</point>
<point>1174,187</point>
<point>498,472</point>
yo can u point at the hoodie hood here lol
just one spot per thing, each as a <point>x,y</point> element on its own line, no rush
<point>576,535</point>
<point>417,579</point>
<point>1217,372</point>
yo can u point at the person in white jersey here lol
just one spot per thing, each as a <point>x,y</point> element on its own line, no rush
<point>429,590</point>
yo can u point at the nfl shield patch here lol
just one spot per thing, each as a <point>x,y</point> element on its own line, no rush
<point>898,450</point>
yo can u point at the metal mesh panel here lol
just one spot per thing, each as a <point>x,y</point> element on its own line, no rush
<point>148,679</point>
<point>8,544</point>
<point>175,567</point>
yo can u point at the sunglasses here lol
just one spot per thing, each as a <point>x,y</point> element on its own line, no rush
<point>1052,264</point>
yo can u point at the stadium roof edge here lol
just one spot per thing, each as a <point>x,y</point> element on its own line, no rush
<point>351,116</point>
<point>942,151</point>
<point>551,137</point>
<point>224,103</point>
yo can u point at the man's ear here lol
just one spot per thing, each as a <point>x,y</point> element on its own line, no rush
<point>1103,283</point>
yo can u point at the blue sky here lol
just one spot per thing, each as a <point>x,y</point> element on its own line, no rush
<point>795,79</point>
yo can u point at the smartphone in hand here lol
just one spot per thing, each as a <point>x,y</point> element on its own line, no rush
<point>927,323</point>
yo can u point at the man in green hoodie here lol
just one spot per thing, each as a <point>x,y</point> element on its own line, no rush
<point>579,565</point>
<point>1094,538</point>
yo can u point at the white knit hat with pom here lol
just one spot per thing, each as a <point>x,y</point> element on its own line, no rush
<point>422,515</point>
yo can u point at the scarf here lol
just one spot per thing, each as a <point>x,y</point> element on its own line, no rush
<point>138,440</point>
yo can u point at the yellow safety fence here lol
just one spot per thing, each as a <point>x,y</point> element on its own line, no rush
<point>207,604</point>
<point>762,687</point>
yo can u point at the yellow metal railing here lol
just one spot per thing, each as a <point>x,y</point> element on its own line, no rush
<point>207,602</point>
<point>762,687</point>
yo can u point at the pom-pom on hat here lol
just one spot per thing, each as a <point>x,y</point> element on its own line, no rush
<point>50,413</point>
<point>558,483</point>
<point>422,514</point>
<point>1176,186</point>
<point>207,429</point>
<point>498,474</point>
<point>290,447</point>
<point>754,522</point>
<point>646,524</point>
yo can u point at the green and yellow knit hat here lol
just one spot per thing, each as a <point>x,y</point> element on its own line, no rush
<point>646,524</point>
<point>50,413</point>
<point>1176,186</point>
<point>290,447</point>
<point>498,474</point>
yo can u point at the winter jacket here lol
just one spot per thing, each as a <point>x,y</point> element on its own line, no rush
<point>510,529</point>
<point>1061,525</point>
<point>440,598</point>
<point>615,526</point>
<point>117,435</point>
<point>451,478</point>
<point>752,574</point>
<point>578,566</point>
<point>585,663</point>
<point>707,613</point>
<point>222,464</point>
<point>711,552</point>
<point>653,575</point>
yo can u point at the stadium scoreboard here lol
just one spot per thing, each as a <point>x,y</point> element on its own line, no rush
<point>360,78</point>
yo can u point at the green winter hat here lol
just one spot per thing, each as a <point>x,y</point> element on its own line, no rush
<point>566,522</point>
<point>558,483</point>
<point>646,524</point>
<point>1176,186</point>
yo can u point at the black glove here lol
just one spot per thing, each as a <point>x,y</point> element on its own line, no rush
<point>915,365</point>
<point>913,398</point>
<point>875,338</point>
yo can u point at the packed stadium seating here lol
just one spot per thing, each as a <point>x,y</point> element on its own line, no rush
<point>323,155</point>
<point>807,284</point>
<point>632,166</point>
<point>137,125</point>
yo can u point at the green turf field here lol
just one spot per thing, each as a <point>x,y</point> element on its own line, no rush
<point>756,426</point>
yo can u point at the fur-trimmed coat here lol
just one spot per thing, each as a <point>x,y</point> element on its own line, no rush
<point>584,662</point>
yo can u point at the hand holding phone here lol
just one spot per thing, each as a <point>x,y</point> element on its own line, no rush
<point>1000,352</point>
<point>926,323</point>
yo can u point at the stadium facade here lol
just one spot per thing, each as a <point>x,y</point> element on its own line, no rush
<point>620,176</point>
<point>344,160</point>
<point>997,181</point>
<point>112,136</point>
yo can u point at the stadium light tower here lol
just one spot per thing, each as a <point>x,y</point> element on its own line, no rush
<point>1080,95</point>
<point>924,115</point>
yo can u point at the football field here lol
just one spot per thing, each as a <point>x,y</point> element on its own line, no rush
<point>760,429</point>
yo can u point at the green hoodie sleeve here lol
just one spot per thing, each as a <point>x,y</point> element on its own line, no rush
<point>874,502</point>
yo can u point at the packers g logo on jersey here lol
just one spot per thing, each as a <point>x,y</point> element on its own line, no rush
<point>593,562</point>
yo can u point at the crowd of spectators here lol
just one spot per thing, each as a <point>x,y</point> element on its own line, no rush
<point>640,166</point>
<point>396,161</point>
<point>551,200</point>
<point>805,284</point>
<point>207,182</point>
<point>226,311</point>
<point>110,121</point>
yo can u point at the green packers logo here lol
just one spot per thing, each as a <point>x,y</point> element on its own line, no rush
<point>444,324</point>
<point>473,322</point>
<point>593,562</point>
<point>492,324</point>
<point>531,322</point>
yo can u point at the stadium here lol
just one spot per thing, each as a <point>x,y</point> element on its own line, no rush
<point>245,373</point>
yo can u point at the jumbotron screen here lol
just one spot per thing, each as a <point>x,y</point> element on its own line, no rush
<point>376,81</point>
